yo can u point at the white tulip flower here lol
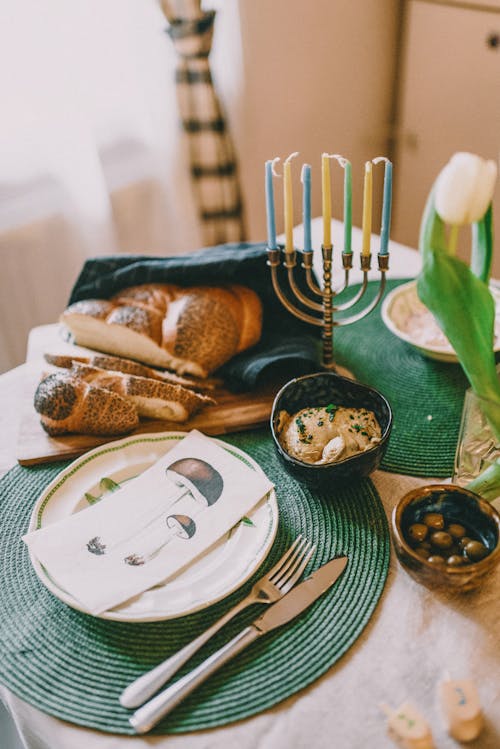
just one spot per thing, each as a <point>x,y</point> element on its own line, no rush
<point>464,188</point>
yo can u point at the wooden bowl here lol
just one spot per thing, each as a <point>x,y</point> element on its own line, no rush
<point>458,505</point>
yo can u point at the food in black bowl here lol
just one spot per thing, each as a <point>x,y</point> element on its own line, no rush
<point>327,428</point>
<point>446,536</point>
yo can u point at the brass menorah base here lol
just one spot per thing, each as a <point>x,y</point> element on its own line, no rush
<point>322,299</point>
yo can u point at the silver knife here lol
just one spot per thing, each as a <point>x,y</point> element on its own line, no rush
<point>286,609</point>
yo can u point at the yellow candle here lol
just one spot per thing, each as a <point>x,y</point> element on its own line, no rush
<point>327,200</point>
<point>367,209</point>
<point>288,202</point>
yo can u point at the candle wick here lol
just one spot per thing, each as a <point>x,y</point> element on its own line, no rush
<point>378,159</point>
<point>292,156</point>
<point>341,159</point>
<point>273,162</point>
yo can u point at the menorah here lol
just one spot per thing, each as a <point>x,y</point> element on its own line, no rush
<point>320,301</point>
<point>325,309</point>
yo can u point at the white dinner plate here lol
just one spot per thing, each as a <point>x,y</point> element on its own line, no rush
<point>218,573</point>
<point>409,319</point>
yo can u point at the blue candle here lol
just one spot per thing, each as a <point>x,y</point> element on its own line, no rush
<point>271,221</point>
<point>386,209</point>
<point>305,178</point>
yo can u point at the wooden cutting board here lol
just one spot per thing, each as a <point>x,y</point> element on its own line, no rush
<point>232,413</point>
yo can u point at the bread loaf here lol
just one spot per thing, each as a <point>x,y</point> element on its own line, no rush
<point>189,330</point>
<point>127,366</point>
<point>153,399</point>
<point>67,404</point>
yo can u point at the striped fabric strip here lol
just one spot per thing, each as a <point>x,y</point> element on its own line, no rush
<point>213,164</point>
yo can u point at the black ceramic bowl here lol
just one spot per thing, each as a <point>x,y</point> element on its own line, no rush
<point>457,505</point>
<point>320,389</point>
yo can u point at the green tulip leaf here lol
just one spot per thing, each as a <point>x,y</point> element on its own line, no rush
<point>465,311</point>
<point>432,229</point>
<point>482,246</point>
<point>487,483</point>
<point>461,302</point>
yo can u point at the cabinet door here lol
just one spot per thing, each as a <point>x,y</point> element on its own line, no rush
<point>449,101</point>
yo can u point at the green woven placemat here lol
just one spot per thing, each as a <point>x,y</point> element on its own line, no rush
<point>74,666</point>
<point>426,396</point>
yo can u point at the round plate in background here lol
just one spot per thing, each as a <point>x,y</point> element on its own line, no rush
<point>409,319</point>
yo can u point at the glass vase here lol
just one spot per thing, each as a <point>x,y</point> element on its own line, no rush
<point>477,446</point>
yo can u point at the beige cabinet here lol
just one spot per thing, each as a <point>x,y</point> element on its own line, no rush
<point>449,100</point>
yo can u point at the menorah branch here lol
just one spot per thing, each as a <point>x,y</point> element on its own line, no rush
<point>327,308</point>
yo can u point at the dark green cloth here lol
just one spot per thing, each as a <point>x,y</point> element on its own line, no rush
<point>74,666</point>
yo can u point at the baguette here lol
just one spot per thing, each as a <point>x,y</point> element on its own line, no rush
<point>188,330</point>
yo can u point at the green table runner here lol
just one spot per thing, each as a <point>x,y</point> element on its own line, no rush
<point>426,395</point>
<point>74,666</point>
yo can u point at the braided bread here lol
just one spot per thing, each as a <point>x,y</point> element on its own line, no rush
<point>189,330</point>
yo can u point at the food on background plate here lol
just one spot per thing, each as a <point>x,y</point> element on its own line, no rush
<point>127,366</point>
<point>188,330</point>
<point>328,434</point>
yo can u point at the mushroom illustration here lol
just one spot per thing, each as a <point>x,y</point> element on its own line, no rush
<point>184,526</point>
<point>96,546</point>
<point>202,480</point>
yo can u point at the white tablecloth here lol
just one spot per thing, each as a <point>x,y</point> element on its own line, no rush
<point>414,637</point>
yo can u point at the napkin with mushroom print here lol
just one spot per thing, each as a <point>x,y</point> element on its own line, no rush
<point>152,527</point>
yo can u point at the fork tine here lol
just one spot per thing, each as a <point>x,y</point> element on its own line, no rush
<point>298,551</point>
<point>292,565</point>
<point>298,572</point>
<point>285,557</point>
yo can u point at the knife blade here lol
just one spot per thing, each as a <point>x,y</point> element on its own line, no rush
<point>300,597</point>
<point>287,608</point>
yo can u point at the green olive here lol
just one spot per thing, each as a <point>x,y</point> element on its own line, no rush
<point>462,543</point>
<point>455,560</point>
<point>441,540</point>
<point>476,551</point>
<point>456,530</point>
<point>436,560</point>
<point>418,532</point>
<point>434,520</point>
<point>422,551</point>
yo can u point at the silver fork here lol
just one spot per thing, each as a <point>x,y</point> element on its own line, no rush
<point>275,584</point>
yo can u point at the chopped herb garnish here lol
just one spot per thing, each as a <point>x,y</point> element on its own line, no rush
<point>364,433</point>
<point>320,423</point>
<point>331,407</point>
<point>357,427</point>
<point>300,424</point>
